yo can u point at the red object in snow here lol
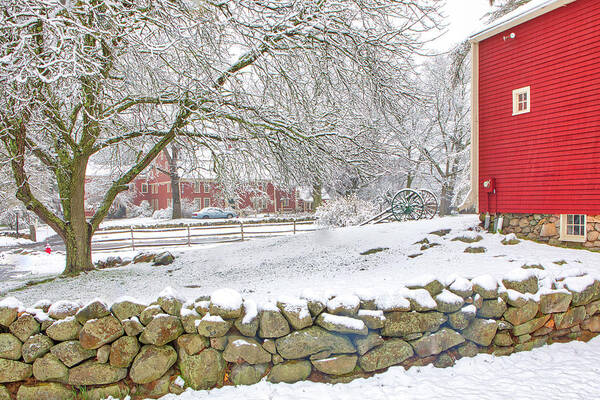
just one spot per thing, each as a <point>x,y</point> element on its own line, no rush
<point>48,248</point>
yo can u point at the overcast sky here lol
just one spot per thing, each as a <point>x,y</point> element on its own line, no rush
<point>463,18</point>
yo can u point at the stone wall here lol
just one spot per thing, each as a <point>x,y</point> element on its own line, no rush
<point>64,350</point>
<point>546,227</point>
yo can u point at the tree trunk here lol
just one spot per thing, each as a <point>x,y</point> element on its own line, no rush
<point>78,232</point>
<point>446,199</point>
<point>317,195</point>
<point>173,160</point>
<point>79,252</point>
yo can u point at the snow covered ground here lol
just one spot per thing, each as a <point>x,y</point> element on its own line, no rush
<point>559,371</point>
<point>326,261</point>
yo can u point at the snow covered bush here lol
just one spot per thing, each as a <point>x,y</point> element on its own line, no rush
<point>345,211</point>
<point>143,210</point>
<point>165,213</point>
<point>187,208</point>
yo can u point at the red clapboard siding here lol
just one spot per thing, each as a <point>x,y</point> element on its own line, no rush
<point>547,160</point>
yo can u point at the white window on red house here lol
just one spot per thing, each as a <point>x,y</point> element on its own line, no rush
<point>206,188</point>
<point>522,100</point>
<point>285,202</point>
<point>144,188</point>
<point>206,202</point>
<point>169,202</point>
<point>573,227</point>
<point>198,203</point>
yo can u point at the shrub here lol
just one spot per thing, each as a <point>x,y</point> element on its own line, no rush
<point>345,211</point>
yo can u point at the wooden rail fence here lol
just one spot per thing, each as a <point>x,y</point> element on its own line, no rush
<point>135,238</point>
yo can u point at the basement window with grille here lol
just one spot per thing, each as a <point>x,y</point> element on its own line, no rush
<point>522,100</point>
<point>572,227</point>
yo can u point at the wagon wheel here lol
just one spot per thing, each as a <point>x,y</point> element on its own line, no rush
<point>430,203</point>
<point>407,204</point>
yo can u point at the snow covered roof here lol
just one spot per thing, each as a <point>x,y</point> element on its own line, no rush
<point>528,11</point>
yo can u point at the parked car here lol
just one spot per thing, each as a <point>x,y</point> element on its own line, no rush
<point>214,212</point>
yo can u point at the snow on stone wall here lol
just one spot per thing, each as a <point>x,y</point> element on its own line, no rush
<point>66,349</point>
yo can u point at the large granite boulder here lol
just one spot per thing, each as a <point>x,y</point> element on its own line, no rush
<point>247,324</point>
<point>391,352</point>
<point>14,371</point>
<point>272,324</point>
<point>36,346</point>
<point>64,329</point>
<point>63,309</point>
<point>123,351</point>
<point>24,327</point>
<point>161,330</point>
<point>98,332</point>
<point>555,301</point>
<point>481,331</point>
<point>202,371</point>
<point>247,374</point>
<point>312,340</point>
<point>518,316</point>
<point>437,342</point>
<point>45,391</point>
<point>405,323</point>
<point>10,346</point>
<point>50,368</point>
<point>127,308</point>
<point>225,303</point>
<point>290,371</point>
<point>241,348</point>
<point>151,363</point>
<point>192,343</point>
<point>71,352</point>
<point>366,343</point>
<point>94,310</point>
<point>338,365</point>
<point>213,326</point>
<point>95,373</point>
<point>341,324</point>
<point>296,312</point>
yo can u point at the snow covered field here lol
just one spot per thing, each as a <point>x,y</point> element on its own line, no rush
<point>327,261</point>
<point>330,262</point>
<point>560,371</point>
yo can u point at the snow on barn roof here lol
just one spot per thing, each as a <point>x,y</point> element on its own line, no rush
<point>528,11</point>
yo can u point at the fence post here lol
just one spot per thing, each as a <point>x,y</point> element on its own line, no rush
<point>189,237</point>
<point>242,229</point>
<point>294,226</point>
<point>132,241</point>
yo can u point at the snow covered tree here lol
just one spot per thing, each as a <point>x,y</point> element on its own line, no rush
<point>503,7</point>
<point>78,78</point>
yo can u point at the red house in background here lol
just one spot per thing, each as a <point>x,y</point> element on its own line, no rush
<point>536,121</point>
<point>154,186</point>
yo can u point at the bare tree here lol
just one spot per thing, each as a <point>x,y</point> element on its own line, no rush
<point>81,78</point>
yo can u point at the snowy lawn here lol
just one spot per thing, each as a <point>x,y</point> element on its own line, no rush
<point>559,371</point>
<point>328,261</point>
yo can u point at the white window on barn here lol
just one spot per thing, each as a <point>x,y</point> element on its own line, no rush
<point>144,188</point>
<point>572,227</point>
<point>522,100</point>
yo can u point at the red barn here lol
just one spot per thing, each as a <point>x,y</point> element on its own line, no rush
<point>536,121</point>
